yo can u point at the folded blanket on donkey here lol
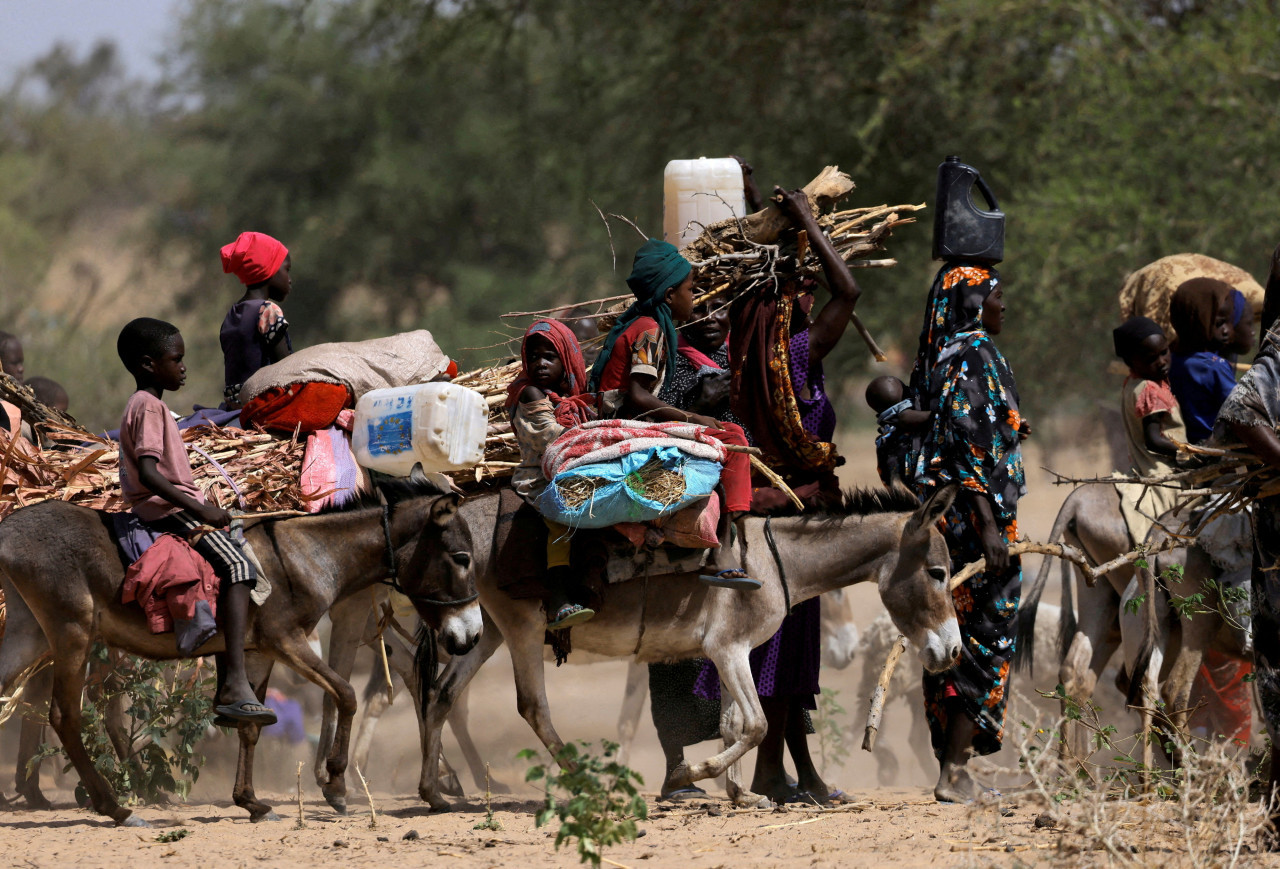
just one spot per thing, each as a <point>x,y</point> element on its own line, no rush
<point>608,472</point>
<point>309,388</point>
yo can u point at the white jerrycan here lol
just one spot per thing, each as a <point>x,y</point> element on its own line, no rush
<point>441,425</point>
<point>698,193</point>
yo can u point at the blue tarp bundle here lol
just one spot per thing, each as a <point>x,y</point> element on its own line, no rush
<point>615,501</point>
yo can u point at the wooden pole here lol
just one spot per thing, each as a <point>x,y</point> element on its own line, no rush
<point>882,690</point>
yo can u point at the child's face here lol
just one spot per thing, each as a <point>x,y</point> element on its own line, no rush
<point>1152,360</point>
<point>1221,335</point>
<point>1242,336</point>
<point>168,372</point>
<point>993,312</point>
<point>279,284</point>
<point>11,360</point>
<point>680,298</point>
<point>546,369</point>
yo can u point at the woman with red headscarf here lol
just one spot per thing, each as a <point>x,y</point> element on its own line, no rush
<point>548,397</point>
<point>254,333</point>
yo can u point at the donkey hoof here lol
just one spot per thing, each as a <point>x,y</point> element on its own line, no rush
<point>437,803</point>
<point>132,820</point>
<point>268,815</point>
<point>37,802</point>
<point>450,785</point>
<point>338,802</point>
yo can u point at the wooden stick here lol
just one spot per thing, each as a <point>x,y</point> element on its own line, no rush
<point>735,448</point>
<point>1070,553</point>
<point>777,481</point>
<point>876,711</point>
<point>866,336</point>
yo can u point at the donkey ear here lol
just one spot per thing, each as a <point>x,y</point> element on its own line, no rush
<point>933,509</point>
<point>444,509</point>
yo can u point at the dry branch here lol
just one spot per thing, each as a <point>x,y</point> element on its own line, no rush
<point>878,696</point>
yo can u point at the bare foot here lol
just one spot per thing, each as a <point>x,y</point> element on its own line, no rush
<point>955,785</point>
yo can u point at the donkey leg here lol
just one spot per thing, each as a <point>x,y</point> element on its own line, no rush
<point>458,723</point>
<point>349,619</point>
<point>1096,640</point>
<point>296,652</point>
<point>632,708</point>
<point>375,700</point>
<point>27,775</point>
<point>258,668</point>
<point>739,688</point>
<point>65,715</point>
<point>435,709</point>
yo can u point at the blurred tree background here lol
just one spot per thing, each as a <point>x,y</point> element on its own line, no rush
<point>434,163</point>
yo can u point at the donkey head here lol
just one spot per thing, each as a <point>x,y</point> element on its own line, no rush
<point>915,586</point>
<point>440,576</point>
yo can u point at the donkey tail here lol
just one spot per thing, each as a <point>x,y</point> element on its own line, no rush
<point>1025,649</point>
<point>1150,632</point>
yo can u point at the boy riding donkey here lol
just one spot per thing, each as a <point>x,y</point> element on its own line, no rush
<point>156,480</point>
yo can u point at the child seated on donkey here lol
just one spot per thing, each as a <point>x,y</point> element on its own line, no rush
<point>548,397</point>
<point>155,478</point>
<point>635,363</point>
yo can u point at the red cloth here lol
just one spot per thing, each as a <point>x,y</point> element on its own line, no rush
<point>695,356</point>
<point>167,582</point>
<point>571,405</point>
<point>306,406</point>
<point>1157,397</point>
<point>635,351</point>
<point>736,476</point>
<point>1222,697</point>
<point>253,257</point>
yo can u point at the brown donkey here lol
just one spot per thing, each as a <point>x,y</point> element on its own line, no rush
<point>883,537</point>
<point>62,575</point>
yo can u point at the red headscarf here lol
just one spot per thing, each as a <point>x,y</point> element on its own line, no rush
<point>574,407</point>
<point>253,257</point>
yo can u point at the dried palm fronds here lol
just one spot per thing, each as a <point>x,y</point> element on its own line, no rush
<point>84,468</point>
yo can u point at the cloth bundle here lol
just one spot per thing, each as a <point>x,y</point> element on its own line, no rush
<point>607,440</point>
<point>611,460</point>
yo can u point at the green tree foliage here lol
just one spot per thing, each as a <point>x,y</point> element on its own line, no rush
<point>433,162</point>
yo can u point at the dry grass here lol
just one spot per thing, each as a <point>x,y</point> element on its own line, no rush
<point>1107,809</point>
<point>652,480</point>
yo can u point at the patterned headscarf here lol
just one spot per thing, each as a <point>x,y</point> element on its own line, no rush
<point>572,408</point>
<point>657,268</point>
<point>954,307</point>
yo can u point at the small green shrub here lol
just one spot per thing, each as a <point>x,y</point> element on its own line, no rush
<point>600,803</point>
<point>167,710</point>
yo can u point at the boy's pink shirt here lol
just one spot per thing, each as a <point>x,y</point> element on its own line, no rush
<point>148,429</point>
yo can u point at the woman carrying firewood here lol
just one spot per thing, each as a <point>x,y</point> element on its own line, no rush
<point>974,440</point>
<point>778,393</point>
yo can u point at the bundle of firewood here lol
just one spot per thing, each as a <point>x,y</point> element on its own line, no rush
<point>261,471</point>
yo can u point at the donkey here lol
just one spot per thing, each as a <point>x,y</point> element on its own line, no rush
<point>840,642</point>
<point>885,537</point>
<point>1090,519</point>
<point>62,575</point>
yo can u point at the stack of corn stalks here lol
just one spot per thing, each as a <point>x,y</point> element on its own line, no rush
<point>84,468</point>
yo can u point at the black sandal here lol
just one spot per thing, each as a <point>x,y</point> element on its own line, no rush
<point>731,577</point>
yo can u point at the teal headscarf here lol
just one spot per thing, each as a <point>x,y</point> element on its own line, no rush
<point>657,268</point>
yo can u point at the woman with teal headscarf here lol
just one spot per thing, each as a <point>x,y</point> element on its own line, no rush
<point>632,366</point>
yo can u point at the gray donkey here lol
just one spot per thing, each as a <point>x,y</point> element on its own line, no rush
<point>882,537</point>
<point>61,576</point>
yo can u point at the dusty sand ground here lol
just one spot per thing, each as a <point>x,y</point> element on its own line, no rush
<point>893,822</point>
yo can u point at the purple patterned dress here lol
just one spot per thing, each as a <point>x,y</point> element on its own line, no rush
<point>787,665</point>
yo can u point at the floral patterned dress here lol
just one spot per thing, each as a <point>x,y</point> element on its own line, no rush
<point>973,441</point>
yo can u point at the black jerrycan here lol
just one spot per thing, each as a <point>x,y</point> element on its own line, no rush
<point>962,230</point>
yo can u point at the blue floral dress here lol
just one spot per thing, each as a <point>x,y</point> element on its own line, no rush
<point>962,377</point>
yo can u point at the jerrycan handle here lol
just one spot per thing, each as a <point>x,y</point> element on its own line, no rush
<point>992,205</point>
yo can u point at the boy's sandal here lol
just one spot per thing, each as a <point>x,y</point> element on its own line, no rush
<point>246,712</point>
<point>731,577</point>
<point>569,615</point>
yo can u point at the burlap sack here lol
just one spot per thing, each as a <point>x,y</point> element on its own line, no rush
<point>1146,292</point>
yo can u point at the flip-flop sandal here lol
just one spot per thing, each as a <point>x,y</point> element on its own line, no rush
<point>569,615</point>
<point>247,712</point>
<point>732,577</point>
<point>687,793</point>
<point>224,721</point>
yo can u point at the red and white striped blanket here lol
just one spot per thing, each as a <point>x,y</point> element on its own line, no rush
<point>607,440</point>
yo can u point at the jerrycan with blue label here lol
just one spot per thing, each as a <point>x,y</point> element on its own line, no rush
<point>440,425</point>
<point>962,230</point>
